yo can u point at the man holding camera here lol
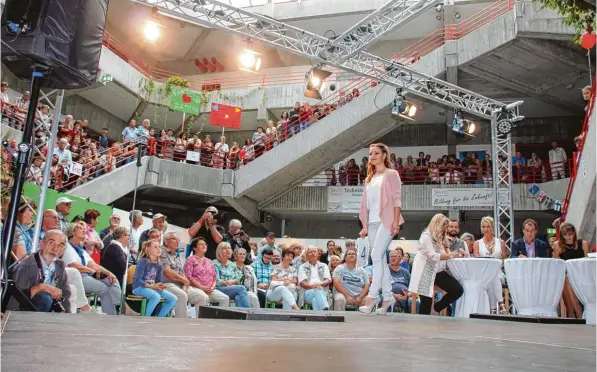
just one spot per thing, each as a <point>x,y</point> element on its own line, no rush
<point>238,239</point>
<point>42,276</point>
<point>207,228</point>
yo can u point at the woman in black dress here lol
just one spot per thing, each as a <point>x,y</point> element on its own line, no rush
<point>569,247</point>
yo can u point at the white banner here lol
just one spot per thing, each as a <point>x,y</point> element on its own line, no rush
<point>345,199</point>
<point>193,156</point>
<point>469,197</point>
<point>76,169</point>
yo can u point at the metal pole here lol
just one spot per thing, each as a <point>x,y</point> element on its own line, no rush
<point>510,201</point>
<point>128,255</point>
<point>22,163</point>
<point>46,176</point>
<point>496,175</point>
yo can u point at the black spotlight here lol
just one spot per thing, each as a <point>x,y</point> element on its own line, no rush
<point>313,80</point>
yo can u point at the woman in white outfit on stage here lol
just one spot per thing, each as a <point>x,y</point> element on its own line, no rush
<point>381,219</point>
<point>491,247</point>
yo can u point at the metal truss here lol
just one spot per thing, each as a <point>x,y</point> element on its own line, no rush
<point>501,155</point>
<point>390,16</point>
<point>212,13</point>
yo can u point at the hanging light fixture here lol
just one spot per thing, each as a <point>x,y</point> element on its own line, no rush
<point>314,80</point>
<point>249,61</point>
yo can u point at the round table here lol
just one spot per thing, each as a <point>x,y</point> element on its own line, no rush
<point>475,275</point>
<point>536,284</point>
<point>581,275</point>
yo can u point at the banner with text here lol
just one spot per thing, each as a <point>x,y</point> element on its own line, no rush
<point>345,199</point>
<point>467,197</point>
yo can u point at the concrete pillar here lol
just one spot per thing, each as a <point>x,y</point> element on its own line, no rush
<point>451,57</point>
<point>139,110</point>
<point>454,214</point>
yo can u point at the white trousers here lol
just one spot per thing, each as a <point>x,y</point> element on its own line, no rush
<point>78,298</point>
<point>195,297</point>
<point>379,241</point>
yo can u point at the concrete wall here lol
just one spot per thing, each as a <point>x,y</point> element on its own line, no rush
<point>80,109</point>
<point>414,197</point>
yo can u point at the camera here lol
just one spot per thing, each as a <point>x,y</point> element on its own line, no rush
<point>57,306</point>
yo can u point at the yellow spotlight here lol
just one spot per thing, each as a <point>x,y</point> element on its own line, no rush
<point>471,127</point>
<point>412,111</point>
<point>315,82</point>
<point>249,61</point>
<point>151,31</point>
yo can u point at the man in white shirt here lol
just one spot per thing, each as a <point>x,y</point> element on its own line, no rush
<point>557,161</point>
<point>221,151</point>
<point>64,155</point>
<point>315,278</point>
<point>136,219</point>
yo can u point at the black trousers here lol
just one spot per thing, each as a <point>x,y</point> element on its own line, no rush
<point>449,285</point>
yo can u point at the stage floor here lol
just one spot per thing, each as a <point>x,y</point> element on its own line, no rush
<point>400,342</point>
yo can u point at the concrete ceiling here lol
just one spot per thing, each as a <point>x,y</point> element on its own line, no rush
<point>180,42</point>
<point>545,71</point>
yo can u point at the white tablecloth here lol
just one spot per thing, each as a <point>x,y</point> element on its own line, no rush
<point>536,284</point>
<point>475,275</point>
<point>582,278</point>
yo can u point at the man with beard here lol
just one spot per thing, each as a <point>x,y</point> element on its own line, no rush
<point>458,245</point>
<point>42,276</point>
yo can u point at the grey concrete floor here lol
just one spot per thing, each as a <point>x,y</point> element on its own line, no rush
<point>89,343</point>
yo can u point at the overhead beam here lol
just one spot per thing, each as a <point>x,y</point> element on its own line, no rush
<point>555,52</point>
<point>197,44</point>
<point>518,87</point>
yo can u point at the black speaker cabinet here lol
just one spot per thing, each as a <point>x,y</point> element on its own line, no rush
<point>64,36</point>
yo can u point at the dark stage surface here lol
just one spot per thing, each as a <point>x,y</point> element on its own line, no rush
<point>89,343</point>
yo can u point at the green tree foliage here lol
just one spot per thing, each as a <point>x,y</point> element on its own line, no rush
<point>579,14</point>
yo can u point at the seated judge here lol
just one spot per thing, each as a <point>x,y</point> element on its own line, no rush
<point>529,246</point>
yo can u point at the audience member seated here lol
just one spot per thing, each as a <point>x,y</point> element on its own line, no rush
<point>201,273</point>
<point>263,272</point>
<point>23,234</point>
<point>351,283</point>
<point>158,221</point>
<point>227,279</point>
<point>114,256</point>
<point>314,278</point>
<point>106,234</point>
<point>529,246</point>
<point>246,276</point>
<point>238,239</point>
<point>400,278</point>
<point>174,277</point>
<point>148,280</point>
<point>283,284</point>
<point>42,277</point>
<point>75,256</point>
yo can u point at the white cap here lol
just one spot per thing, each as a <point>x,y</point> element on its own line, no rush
<point>158,215</point>
<point>64,200</point>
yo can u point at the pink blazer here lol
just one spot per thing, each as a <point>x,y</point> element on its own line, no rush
<point>391,194</point>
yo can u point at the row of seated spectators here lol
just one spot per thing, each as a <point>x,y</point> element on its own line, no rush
<point>222,267</point>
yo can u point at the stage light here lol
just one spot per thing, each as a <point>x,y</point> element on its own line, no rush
<point>151,31</point>
<point>402,108</point>
<point>463,126</point>
<point>457,15</point>
<point>314,80</point>
<point>249,61</point>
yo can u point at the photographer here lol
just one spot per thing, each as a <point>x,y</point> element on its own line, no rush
<point>206,227</point>
<point>42,276</point>
<point>238,239</point>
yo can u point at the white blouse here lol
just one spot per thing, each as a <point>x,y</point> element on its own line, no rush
<point>374,198</point>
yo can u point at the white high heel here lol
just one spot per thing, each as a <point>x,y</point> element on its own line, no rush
<point>384,309</point>
<point>368,309</point>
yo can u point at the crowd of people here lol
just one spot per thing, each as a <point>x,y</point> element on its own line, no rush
<point>81,269</point>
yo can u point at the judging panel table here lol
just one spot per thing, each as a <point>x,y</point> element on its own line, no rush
<point>582,278</point>
<point>536,284</point>
<point>475,275</point>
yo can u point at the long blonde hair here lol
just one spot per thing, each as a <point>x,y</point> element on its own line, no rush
<point>437,230</point>
<point>388,164</point>
<point>489,220</point>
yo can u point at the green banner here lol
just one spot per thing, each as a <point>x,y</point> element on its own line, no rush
<point>183,100</point>
<point>79,206</point>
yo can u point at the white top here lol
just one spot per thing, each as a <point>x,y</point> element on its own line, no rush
<point>374,198</point>
<point>70,256</point>
<point>484,251</point>
<point>134,241</point>
<point>222,147</point>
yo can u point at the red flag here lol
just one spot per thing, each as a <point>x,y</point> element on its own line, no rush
<point>225,116</point>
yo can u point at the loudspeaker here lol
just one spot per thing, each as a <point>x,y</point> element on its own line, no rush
<point>63,37</point>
